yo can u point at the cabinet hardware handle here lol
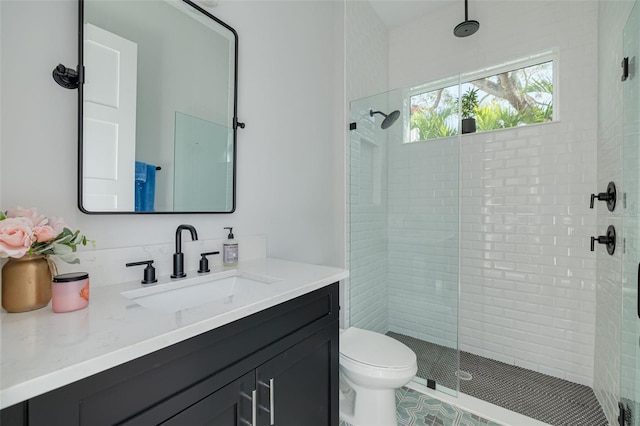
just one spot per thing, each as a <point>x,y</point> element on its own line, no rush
<point>271,402</point>
<point>254,411</point>
<point>272,415</point>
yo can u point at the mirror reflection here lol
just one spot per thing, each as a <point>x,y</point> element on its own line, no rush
<point>158,108</point>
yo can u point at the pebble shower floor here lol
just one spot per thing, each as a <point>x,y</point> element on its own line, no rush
<point>545,398</point>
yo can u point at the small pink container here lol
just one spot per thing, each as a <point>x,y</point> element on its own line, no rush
<point>70,292</point>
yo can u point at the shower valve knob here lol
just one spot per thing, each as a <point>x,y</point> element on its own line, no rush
<point>602,196</point>
<point>609,240</point>
<point>610,197</point>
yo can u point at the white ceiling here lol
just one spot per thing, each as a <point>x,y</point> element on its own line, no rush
<point>395,13</point>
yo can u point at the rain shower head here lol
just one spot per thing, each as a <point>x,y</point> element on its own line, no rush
<point>468,27</point>
<point>389,119</point>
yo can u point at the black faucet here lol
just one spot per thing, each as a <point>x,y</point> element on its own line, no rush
<point>178,256</point>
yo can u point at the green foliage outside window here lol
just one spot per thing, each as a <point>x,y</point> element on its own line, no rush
<point>510,99</point>
<point>469,103</point>
<point>433,124</point>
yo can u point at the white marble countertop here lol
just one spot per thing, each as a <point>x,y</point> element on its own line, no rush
<point>41,350</point>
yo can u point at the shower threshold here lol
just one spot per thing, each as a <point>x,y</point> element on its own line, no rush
<point>539,396</point>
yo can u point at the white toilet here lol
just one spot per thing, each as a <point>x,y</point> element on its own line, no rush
<point>372,366</point>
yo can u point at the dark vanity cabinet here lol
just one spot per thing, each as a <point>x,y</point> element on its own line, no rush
<point>276,367</point>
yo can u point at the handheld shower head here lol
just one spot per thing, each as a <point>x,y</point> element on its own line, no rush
<point>389,119</point>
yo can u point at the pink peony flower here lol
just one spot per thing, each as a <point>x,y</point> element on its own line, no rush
<point>44,233</point>
<point>25,231</point>
<point>31,214</point>
<point>16,236</point>
<point>58,225</point>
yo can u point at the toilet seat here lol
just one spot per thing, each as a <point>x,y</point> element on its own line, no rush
<point>375,349</point>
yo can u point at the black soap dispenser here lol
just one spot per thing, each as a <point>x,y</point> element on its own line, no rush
<point>230,250</point>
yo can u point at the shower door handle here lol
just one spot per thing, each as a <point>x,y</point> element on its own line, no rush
<point>638,290</point>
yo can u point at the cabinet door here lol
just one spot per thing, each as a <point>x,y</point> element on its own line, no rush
<point>300,386</point>
<point>16,415</point>
<point>227,406</point>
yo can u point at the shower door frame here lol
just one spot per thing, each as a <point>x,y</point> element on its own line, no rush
<point>629,405</point>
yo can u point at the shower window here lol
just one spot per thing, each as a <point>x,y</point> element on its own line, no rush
<point>515,96</point>
<point>434,114</point>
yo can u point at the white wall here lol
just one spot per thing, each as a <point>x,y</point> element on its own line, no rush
<point>289,179</point>
<point>1,64</point>
<point>527,275</point>
<point>612,16</point>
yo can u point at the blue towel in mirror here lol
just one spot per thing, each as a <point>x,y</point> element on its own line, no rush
<point>145,187</point>
<point>141,171</point>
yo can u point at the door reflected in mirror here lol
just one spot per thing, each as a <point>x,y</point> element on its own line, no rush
<point>157,108</point>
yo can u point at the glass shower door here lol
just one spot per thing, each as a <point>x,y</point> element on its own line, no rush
<point>630,337</point>
<point>403,235</point>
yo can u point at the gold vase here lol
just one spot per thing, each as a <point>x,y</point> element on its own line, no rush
<point>26,283</point>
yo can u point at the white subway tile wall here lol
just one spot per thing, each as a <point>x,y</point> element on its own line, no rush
<point>366,65</point>
<point>367,51</point>
<point>368,263</point>
<point>423,239</point>
<point>527,276</point>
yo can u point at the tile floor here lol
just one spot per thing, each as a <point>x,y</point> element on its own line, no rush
<point>539,396</point>
<point>416,409</point>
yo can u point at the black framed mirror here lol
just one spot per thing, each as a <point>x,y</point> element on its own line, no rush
<point>157,125</point>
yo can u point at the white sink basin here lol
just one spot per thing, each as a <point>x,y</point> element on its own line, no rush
<point>230,287</point>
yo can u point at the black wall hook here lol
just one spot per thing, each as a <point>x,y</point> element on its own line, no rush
<point>237,124</point>
<point>625,69</point>
<point>66,77</point>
